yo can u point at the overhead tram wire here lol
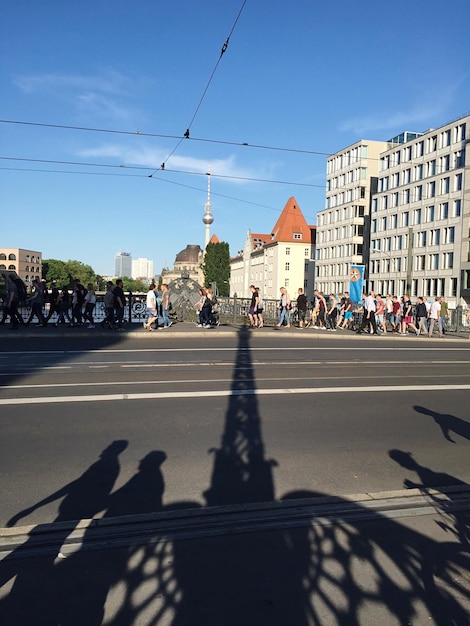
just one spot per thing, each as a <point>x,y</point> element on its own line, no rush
<point>144,167</point>
<point>160,180</point>
<point>188,130</point>
<point>243,144</point>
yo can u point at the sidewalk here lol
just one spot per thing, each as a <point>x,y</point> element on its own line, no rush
<point>189,329</point>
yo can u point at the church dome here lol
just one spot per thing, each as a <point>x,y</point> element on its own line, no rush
<point>190,254</point>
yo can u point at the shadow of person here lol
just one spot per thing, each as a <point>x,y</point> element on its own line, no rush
<point>37,579</point>
<point>447,423</point>
<point>95,574</point>
<point>454,521</point>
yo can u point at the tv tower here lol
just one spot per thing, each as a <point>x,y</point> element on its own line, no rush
<point>208,218</point>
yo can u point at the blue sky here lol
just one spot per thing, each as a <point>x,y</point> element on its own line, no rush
<point>308,75</point>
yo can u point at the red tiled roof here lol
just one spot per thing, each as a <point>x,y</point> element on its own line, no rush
<point>291,222</point>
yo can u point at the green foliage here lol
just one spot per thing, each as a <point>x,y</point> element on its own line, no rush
<point>216,267</point>
<point>136,286</point>
<point>65,272</point>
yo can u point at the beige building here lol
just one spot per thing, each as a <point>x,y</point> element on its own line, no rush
<point>282,258</point>
<point>26,263</point>
<point>342,235</point>
<point>420,217</point>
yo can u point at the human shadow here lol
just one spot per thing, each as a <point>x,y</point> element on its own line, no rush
<point>447,423</point>
<point>435,486</point>
<point>34,591</point>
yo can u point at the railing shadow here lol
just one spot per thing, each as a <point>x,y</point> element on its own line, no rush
<point>336,569</point>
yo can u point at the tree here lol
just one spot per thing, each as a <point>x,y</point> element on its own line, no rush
<point>216,267</point>
<point>65,272</point>
<point>136,286</point>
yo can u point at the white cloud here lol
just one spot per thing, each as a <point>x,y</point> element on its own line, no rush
<point>102,94</point>
<point>152,157</point>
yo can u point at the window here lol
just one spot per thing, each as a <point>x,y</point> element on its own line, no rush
<point>448,260</point>
<point>12,257</point>
<point>449,234</point>
<point>444,163</point>
<point>3,256</point>
<point>287,251</point>
<point>287,267</point>
<point>363,173</point>
<point>434,262</point>
<point>431,189</point>
<point>11,267</point>
<point>429,211</point>
<point>444,210</point>
<point>445,185</point>
<point>405,219</point>
<point>394,221</point>
<point>435,237</point>
<point>431,168</point>
<point>306,253</point>
<point>458,182</point>
<point>456,208</point>
<point>418,193</point>
<point>417,217</point>
<point>420,261</point>
<point>299,235</point>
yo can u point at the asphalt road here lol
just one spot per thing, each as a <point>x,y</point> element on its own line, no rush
<point>220,472</point>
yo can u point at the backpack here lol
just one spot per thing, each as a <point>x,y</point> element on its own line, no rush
<point>21,287</point>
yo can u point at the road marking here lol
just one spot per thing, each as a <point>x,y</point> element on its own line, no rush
<point>198,381</point>
<point>230,393</point>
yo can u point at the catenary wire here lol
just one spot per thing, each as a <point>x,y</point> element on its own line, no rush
<point>187,132</point>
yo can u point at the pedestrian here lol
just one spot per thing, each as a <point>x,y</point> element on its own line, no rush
<point>152,313</point>
<point>332,312</point>
<point>421,316</point>
<point>260,309</point>
<point>78,297</point>
<point>434,315</point>
<point>322,308</point>
<point>368,314</point>
<point>53,301</point>
<point>395,319</point>
<point>90,303</point>
<point>252,311</point>
<point>119,304</point>
<point>284,308</point>
<point>347,311</point>
<point>407,316</point>
<point>301,307</point>
<point>380,313</point>
<point>12,301</point>
<point>443,315</point>
<point>108,302</point>
<point>64,306</point>
<point>388,311</point>
<point>199,306</point>
<point>166,306</point>
<point>36,300</point>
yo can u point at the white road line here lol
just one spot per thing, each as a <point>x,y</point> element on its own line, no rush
<point>442,348</point>
<point>198,381</point>
<point>227,393</point>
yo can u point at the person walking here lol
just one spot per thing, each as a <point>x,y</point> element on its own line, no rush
<point>284,308</point>
<point>119,304</point>
<point>53,301</point>
<point>166,305</point>
<point>421,316</point>
<point>434,315</point>
<point>252,312</point>
<point>64,306</point>
<point>260,308</point>
<point>368,315</point>
<point>443,315</point>
<point>90,303</point>
<point>301,307</point>
<point>37,302</point>
<point>407,317</point>
<point>12,301</point>
<point>151,302</point>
